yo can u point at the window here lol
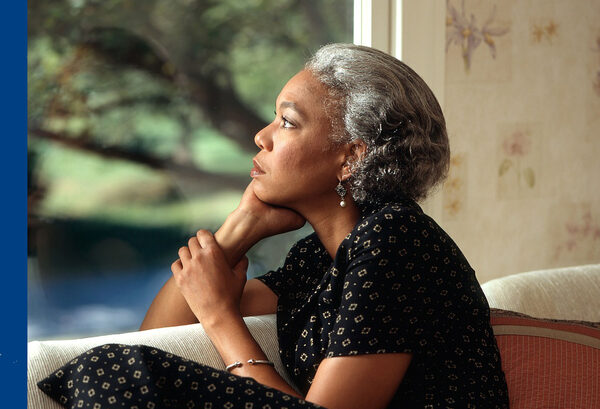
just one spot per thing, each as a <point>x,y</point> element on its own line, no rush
<point>140,131</point>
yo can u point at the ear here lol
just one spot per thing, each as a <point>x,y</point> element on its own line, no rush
<point>354,152</point>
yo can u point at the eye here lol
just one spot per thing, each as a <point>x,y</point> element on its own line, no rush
<point>286,123</point>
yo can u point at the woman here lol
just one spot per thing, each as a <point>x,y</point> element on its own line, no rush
<point>376,309</point>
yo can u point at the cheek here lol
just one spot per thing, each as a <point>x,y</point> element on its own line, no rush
<point>290,157</point>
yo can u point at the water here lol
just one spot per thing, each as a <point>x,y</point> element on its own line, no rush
<point>70,307</point>
<point>74,307</point>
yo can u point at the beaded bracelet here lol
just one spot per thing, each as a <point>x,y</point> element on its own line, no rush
<point>237,364</point>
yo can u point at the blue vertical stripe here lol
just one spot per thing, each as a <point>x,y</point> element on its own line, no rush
<point>13,285</point>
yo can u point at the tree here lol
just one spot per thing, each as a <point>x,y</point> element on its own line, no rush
<point>97,68</point>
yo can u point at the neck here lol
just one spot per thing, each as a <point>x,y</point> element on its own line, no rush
<point>332,223</point>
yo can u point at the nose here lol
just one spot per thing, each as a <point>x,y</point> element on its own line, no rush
<point>263,139</point>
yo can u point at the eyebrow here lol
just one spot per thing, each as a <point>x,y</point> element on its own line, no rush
<point>291,105</point>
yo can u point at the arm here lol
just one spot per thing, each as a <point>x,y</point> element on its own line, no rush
<point>249,223</point>
<point>368,381</point>
<point>336,384</point>
<point>339,381</point>
<point>257,299</point>
<point>170,308</point>
<point>233,341</point>
<point>361,382</point>
<point>213,291</point>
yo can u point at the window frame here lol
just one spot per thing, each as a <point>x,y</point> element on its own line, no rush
<point>391,26</point>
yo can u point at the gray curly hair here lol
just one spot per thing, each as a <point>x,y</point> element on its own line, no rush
<point>384,103</point>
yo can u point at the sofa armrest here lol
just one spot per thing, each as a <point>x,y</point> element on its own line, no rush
<point>188,341</point>
<point>568,293</point>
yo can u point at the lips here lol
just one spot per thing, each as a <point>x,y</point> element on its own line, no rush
<point>256,170</point>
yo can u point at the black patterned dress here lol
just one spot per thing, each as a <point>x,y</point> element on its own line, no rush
<point>398,284</point>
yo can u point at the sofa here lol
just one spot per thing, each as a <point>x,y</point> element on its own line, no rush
<point>546,322</point>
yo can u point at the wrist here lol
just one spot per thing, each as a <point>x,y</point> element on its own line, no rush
<point>222,323</point>
<point>237,235</point>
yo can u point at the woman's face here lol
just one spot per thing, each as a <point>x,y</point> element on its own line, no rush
<point>297,164</point>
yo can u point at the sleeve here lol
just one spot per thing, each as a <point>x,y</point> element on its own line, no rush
<point>384,301</point>
<point>282,280</point>
<point>277,281</point>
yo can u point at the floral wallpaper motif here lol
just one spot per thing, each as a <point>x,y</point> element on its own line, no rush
<point>525,113</point>
<point>455,186</point>
<point>582,235</point>
<point>516,146</point>
<point>519,160</point>
<point>544,32</point>
<point>465,32</point>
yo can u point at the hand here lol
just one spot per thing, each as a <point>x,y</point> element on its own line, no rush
<point>271,220</point>
<point>211,288</point>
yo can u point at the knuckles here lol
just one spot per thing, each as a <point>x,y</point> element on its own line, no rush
<point>198,260</point>
<point>211,251</point>
<point>206,235</point>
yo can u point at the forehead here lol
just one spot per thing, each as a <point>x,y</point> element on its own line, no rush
<point>304,91</point>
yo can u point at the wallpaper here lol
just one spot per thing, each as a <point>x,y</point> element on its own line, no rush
<point>522,104</point>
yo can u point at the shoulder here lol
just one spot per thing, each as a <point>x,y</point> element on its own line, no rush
<point>400,233</point>
<point>392,221</point>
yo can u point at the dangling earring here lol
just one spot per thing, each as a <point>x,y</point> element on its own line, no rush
<point>341,191</point>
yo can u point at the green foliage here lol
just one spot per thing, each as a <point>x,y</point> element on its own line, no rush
<point>129,98</point>
<point>212,151</point>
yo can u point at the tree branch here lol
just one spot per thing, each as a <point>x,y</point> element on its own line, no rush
<point>223,107</point>
<point>155,100</point>
<point>187,171</point>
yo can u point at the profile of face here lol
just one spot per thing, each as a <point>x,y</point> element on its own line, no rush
<point>297,164</point>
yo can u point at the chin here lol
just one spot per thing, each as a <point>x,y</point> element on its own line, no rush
<point>266,195</point>
<point>271,196</point>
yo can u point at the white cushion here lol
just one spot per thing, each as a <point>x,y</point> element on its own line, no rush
<point>569,293</point>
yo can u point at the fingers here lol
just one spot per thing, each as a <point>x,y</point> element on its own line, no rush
<point>176,267</point>
<point>205,238</point>
<point>184,254</point>
<point>194,246</point>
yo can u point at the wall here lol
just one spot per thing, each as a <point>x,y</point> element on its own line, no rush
<point>522,104</point>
